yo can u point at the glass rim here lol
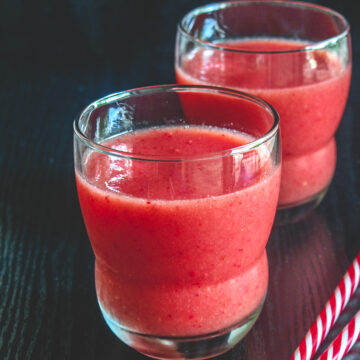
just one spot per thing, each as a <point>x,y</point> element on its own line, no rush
<point>118,96</point>
<point>212,7</point>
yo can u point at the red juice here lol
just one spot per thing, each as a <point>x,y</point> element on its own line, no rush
<point>180,246</point>
<point>308,89</point>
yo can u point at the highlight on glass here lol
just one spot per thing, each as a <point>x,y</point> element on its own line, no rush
<point>178,187</point>
<point>296,56</point>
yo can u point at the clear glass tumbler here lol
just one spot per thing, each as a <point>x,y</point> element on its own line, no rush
<point>296,56</point>
<point>178,187</point>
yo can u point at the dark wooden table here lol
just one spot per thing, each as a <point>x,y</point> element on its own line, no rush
<point>56,57</point>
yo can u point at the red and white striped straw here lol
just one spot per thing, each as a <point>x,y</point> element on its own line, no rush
<point>330,313</point>
<point>344,341</point>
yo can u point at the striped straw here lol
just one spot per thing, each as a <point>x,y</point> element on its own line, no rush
<point>330,313</point>
<point>344,341</point>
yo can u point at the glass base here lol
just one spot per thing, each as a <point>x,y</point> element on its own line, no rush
<point>192,347</point>
<point>295,212</point>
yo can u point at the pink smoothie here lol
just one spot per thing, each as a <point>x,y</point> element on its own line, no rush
<point>308,89</point>
<point>180,246</point>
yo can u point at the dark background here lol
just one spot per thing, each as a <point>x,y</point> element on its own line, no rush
<point>56,57</point>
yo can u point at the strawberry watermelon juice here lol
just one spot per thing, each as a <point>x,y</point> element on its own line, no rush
<point>308,89</point>
<point>180,249</point>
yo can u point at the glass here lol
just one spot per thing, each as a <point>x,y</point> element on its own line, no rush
<point>296,56</point>
<point>178,187</point>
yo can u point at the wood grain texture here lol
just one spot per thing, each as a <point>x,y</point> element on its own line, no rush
<point>55,58</point>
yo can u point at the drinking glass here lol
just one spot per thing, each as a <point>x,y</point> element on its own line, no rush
<point>296,56</point>
<point>178,187</point>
